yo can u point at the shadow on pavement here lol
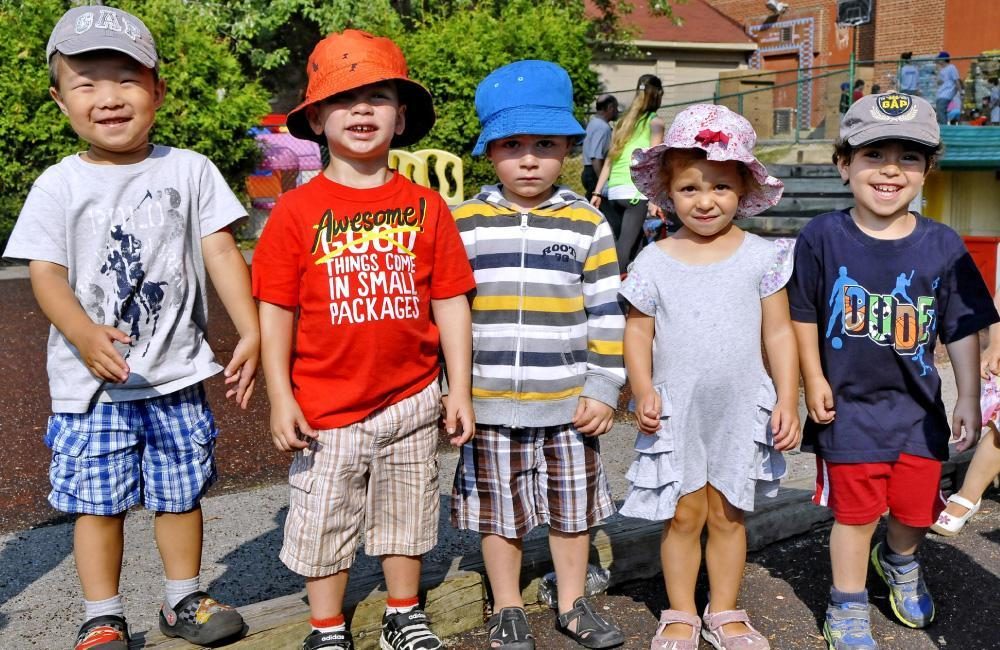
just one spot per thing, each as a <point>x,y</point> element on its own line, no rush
<point>960,572</point>
<point>28,556</point>
<point>254,572</point>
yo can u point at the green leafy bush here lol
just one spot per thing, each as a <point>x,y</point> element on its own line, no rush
<point>210,102</point>
<point>452,55</point>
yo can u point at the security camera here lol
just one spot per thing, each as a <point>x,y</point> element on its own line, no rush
<point>776,6</point>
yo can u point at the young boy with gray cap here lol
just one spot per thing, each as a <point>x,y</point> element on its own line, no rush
<point>547,345</point>
<point>127,353</point>
<point>873,288</point>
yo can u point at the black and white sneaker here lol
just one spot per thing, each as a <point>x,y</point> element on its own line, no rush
<point>408,631</point>
<point>336,640</point>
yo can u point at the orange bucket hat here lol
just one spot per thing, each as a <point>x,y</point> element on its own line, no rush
<point>350,59</point>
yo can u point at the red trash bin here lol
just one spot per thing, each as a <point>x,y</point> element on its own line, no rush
<point>984,253</point>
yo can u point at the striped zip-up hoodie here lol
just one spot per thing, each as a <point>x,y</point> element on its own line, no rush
<point>547,326</point>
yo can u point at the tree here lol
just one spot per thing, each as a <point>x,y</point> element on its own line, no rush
<point>210,104</point>
<point>451,55</point>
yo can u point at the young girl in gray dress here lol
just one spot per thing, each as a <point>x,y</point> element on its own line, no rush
<point>711,424</point>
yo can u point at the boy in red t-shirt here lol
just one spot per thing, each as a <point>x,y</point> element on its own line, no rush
<point>373,267</point>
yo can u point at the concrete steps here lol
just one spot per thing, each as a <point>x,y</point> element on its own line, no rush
<point>810,189</point>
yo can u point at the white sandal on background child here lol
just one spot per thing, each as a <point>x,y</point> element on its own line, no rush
<point>950,525</point>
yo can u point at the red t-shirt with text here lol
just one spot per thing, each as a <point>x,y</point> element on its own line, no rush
<point>361,266</point>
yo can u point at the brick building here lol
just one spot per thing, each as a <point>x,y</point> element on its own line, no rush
<point>806,36</point>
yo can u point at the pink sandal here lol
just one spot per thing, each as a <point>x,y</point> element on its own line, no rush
<point>712,631</point>
<point>669,616</point>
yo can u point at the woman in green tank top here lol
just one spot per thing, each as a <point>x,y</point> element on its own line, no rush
<point>623,205</point>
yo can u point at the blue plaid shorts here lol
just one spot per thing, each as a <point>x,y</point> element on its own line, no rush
<point>161,449</point>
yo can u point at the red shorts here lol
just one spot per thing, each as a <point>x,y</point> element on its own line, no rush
<point>859,493</point>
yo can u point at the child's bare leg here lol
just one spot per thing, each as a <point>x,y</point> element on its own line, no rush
<point>179,537</point>
<point>982,470</point>
<point>502,557</point>
<point>903,539</point>
<point>402,575</point>
<point>850,546</point>
<point>326,595</point>
<point>725,556</point>
<point>98,542</point>
<point>680,555</point>
<point>569,555</point>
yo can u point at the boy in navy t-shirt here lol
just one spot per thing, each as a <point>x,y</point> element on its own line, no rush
<point>872,290</point>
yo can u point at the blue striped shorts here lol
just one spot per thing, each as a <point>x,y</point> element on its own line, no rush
<point>160,450</point>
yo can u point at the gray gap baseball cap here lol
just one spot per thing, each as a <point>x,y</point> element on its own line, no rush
<point>890,116</point>
<point>91,28</point>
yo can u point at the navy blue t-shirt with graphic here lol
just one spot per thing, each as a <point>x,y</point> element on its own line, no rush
<point>879,306</point>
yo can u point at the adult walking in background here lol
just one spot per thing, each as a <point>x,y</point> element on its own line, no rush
<point>949,86</point>
<point>625,207</point>
<point>597,142</point>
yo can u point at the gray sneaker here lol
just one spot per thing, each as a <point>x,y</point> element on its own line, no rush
<point>848,627</point>
<point>911,601</point>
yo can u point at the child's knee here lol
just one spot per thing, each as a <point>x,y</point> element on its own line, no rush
<point>725,518</point>
<point>690,515</point>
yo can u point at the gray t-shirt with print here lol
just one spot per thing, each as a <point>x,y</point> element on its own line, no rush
<point>130,237</point>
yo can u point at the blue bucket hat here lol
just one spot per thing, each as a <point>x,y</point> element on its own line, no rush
<point>525,98</point>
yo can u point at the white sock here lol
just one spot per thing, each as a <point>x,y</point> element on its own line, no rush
<point>399,610</point>
<point>175,590</point>
<point>110,607</point>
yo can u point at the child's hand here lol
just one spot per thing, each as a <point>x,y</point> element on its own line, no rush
<point>785,426</point>
<point>289,429</point>
<point>459,419</point>
<point>595,200</point>
<point>96,348</point>
<point>242,370</point>
<point>966,423</point>
<point>593,417</point>
<point>647,412</point>
<point>990,363</point>
<point>819,401</point>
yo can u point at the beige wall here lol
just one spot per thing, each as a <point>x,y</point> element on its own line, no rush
<point>966,200</point>
<point>672,66</point>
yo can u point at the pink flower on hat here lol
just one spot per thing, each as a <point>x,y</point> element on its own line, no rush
<point>723,135</point>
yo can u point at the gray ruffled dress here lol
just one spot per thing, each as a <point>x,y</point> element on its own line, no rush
<point>708,368</point>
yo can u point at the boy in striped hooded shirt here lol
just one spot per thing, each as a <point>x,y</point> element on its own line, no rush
<point>547,353</point>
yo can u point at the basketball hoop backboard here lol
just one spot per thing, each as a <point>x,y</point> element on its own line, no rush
<point>851,13</point>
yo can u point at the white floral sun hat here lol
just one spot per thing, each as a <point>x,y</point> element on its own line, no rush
<point>723,135</point>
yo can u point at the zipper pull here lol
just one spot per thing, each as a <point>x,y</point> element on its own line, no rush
<point>524,221</point>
